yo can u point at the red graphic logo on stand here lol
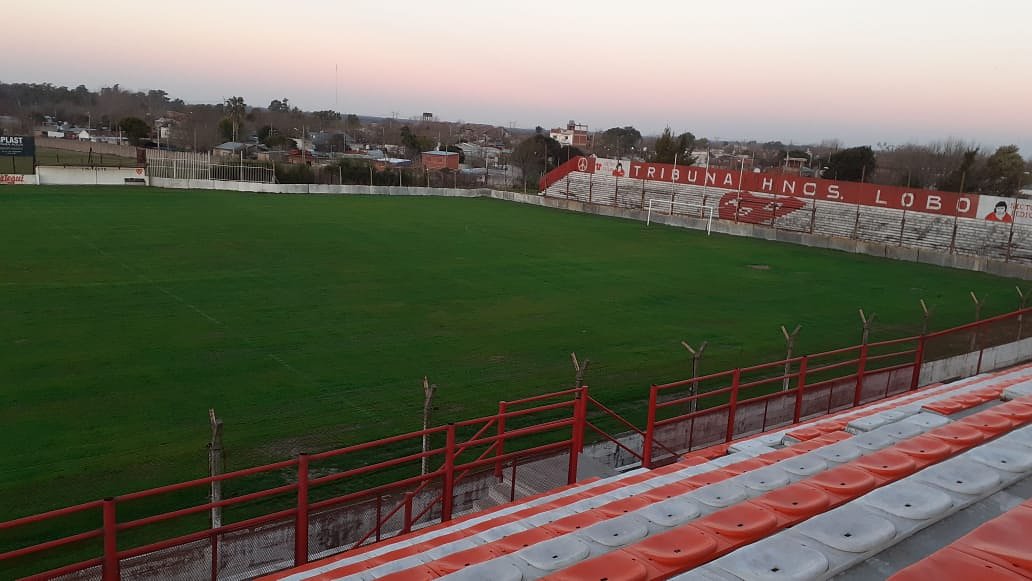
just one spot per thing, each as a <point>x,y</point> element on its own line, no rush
<point>753,209</point>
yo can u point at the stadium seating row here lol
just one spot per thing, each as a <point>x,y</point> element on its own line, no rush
<point>590,521</point>
<point>871,224</point>
<point>995,549</point>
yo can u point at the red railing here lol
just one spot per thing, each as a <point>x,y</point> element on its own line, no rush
<point>560,172</point>
<point>681,416</point>
<point>729,405</point>
<point>553,423</point>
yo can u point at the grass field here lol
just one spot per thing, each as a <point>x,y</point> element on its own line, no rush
<point>307,322</point>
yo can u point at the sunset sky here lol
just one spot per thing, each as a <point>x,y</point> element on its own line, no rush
<point>796,70</point>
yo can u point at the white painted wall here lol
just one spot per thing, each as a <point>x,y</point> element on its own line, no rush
<point>966,365</point>
<point>90,176</point>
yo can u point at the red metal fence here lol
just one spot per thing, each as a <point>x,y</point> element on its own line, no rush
<point>379,487</point>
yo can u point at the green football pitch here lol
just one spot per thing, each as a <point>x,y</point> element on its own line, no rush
<point>308,322</point>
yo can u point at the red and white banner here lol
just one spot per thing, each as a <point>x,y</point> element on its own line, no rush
<point>893,197</point>
<point>1005,210</point>
<point>16,179</point>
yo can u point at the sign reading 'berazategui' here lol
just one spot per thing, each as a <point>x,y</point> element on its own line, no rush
<point>17,146</point>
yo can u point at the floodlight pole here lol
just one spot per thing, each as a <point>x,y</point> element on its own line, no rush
<point>789,346</point>
<point>696,359</point>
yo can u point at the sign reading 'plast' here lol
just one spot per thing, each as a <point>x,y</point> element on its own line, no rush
<point>17,146</point>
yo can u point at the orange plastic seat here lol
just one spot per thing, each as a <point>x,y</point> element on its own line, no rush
<point>843,483</point>
<point>417,573</point>
<point>925,450</point>
<point>677,550</point>
<point>711,477</point>
<point>461,559</point>
<point>743,522</point>
<point>624,506</point>
<point>782,454</point>
<point>990,422</point>
<point>522,540</point>
<point>805,433</point>
<point>949,564</point>
<point>748,465</point>
<point>570,523</point>
<point>1001,541</point>
<point>668,491</point>
<point>887,465</point>
<point>1016,409</point>
<point>944,407</point>
<point>959,436</point>
<point>795,500</point>
<point>613,566</point>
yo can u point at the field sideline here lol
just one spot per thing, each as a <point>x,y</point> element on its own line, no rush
<point>308,322</point>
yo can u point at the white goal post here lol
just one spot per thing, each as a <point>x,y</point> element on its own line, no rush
<point>662,203</point>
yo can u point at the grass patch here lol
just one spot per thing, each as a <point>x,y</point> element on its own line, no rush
<point>307,322</point>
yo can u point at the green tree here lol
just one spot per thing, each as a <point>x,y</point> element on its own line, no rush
<point>963,176</point>
<point>1004,172</point>
<point>617,141</point>
<point>135,129</point>
<point>671,150</point>
<point>280,105</point>
<point>536,155</point>
<point>413,144</point>
<point>352,122</point>
<point>226,129</point>
<point>853,164</point>
<point>237,109</point>
<point>666,149</point>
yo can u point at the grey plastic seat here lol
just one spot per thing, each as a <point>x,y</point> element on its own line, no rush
<point>671,512</point>
<point>962,476</point>
<point>850,529</point>
<point>776,558</point>
<point>495,570</point>
<point>617,532</point>
<point>555,554</point>
<point>804,465</point>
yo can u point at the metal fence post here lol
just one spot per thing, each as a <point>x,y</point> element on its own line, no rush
<point>407,524</point>
<point>915,379</point>
<point>577,434</point>
<point>650,430</point>
<point>301,514</point>
<point>733,405</point>
<point>500,442</point>
<point>448,487</point>
<point>861,367</point>
<point>110,566</point>
<point>800,386</point>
